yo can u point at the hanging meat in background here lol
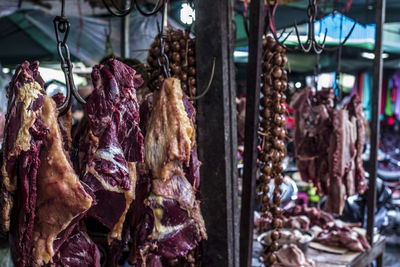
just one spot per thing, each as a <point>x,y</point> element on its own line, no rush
<point>329,144</point>
<point>39,188</point>
<point>109,141</point>
<point>180,50</point>
<point>166,215</point>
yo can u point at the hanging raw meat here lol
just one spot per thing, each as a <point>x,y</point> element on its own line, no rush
<point>77,251</point>
<point>110,142</point>
<point>166,215</point>
<point>24,134</point>
<point>40,191</point>
<point>170,136</point>
<point>329,144</point>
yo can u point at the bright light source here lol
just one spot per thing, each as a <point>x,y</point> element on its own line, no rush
<point>369,55</point>
<point>325,80</point>
<point>348,81</point>
<point>187,14</point>
<point>240,54</point>
<point>6,70</point>
<point>297,84</point>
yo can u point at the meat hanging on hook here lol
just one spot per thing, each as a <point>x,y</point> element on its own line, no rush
<point>272,131</point>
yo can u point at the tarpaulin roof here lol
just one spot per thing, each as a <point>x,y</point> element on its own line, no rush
<point>29,35</point>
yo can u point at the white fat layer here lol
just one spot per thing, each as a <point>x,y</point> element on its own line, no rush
<point>109,153</point>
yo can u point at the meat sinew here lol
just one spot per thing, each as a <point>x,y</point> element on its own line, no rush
<point>168,222</point>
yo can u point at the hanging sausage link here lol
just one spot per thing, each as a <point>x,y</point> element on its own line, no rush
<point>272,134</point>
<point>180,50</point>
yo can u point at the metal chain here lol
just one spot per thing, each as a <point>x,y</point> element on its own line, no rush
<point>62,28</point>
<point>162,59</point>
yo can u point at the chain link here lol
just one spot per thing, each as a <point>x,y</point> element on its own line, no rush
<point>62,28</point>
<point>163,57</point>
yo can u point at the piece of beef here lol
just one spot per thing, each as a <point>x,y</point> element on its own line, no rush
<point>170,132</point>
<point>329,144</point>
<point>140,215</point>
<point>110,140</point>
<point>145,112</point>
<point>316,217</point>
<point>113,101</point>
<point>61,199</point>
<point>338,157</point>
<point>291,256</point>
<point>356,112</point>
<point>65,122</point>
<point>24,134</point>
<point>313,129</point>
<point>77,251</point>
<point>343,237</point>
<point>167,220</point>
<point>297,222</point>
<point>38,176</point>
<point>192,170</point>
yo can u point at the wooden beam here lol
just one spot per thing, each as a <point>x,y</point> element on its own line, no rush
<point>251,128</point>
<point>216,114</point>
<point>375,114</point>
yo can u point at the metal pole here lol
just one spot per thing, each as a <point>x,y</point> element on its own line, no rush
<point>251,127</point>
<point>216,116</point>
<point>375,124</point>
<point>125,33</point>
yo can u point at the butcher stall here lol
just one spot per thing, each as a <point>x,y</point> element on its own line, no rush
<point>196,133</point>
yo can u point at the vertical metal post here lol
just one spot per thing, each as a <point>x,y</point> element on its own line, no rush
<point>251,127</point>
<point>125,36</point>
<point>375,123</point>
<point>216,115</point>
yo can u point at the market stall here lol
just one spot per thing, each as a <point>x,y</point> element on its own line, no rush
<point>151,150</point>
<point>262,79</point>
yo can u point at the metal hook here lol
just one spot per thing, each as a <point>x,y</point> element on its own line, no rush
<point>311,44</point>
<point>133,4</point>
<point>208,85</point>
<point>163,57</point>
<point>121,12</point>
<point>62,26</point>
<point>157,7</point>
